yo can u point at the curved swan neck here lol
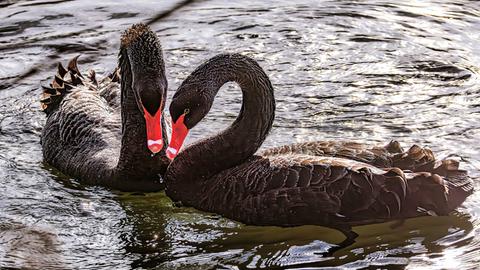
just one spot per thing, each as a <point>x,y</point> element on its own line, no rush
<point>247,133</point>
<point>257,113</point>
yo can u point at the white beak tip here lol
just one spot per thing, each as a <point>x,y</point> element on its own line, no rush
<point>171,152</point>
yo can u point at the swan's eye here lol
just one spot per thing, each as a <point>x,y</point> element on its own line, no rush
<point>186,111</point>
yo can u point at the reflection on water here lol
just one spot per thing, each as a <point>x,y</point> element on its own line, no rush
<point>351,70</point>
<point>29,247</point>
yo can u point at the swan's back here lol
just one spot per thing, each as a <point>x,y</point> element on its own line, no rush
<point>415,158</point>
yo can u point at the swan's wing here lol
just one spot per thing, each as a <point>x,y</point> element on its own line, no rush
<point>303,189</point>
<point>81,131</point>
<point>290,190</point>
<point>416,158</point>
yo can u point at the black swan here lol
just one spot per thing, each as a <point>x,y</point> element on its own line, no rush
<point>332,184</point>
<point>111,132</point>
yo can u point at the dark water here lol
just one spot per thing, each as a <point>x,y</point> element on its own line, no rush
<point>368,71</point>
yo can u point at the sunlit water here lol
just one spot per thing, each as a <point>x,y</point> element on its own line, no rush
<point>369,71</point>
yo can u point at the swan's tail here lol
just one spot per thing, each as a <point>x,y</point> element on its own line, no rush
<point>441,191</point>
<point>460,187</point>
<point>65,80</point>
<point>459,184</point>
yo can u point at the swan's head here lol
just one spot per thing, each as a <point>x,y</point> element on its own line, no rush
<point>189,106</point>
<point>143,70</point>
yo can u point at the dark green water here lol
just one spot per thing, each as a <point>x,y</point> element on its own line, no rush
<point>369,71</point>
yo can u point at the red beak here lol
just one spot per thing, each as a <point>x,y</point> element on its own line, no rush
<point>154,130</point>
<point>179,133</point>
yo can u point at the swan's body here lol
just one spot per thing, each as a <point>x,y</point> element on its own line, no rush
<point>96,131</point>
<point>321,183</point>
<point>416,159</point>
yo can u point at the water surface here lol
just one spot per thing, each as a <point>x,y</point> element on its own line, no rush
<point>369,71</point>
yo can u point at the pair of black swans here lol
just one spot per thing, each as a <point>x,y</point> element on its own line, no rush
<point>111,132</point>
